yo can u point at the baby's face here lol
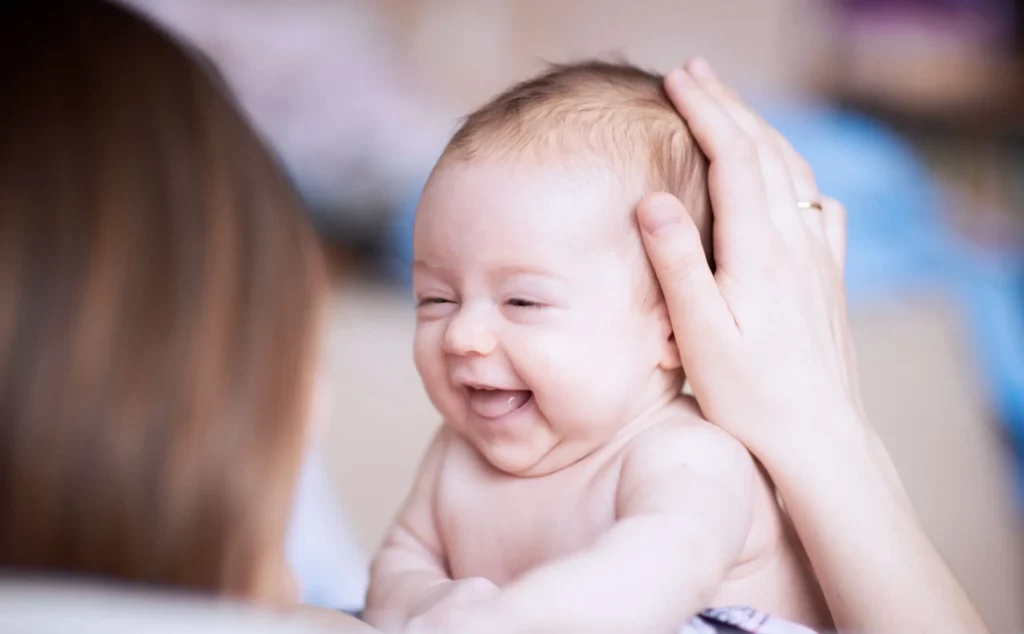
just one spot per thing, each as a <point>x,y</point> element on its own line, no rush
<point>532,337</point>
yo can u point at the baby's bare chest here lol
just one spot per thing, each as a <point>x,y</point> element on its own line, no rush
<point>498,526</point>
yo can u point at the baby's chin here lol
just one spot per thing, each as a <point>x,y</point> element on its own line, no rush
<point>529,460</point>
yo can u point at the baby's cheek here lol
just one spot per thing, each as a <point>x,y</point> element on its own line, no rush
<point>569,376</point>
<point>427,353</point>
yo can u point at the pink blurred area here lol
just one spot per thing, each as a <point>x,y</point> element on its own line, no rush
<point>326,84</point>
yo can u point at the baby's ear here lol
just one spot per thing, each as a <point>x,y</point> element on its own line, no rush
<point>669,359</point>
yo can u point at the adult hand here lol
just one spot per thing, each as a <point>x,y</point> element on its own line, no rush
<point>767,350</point>
<point>772,317</point>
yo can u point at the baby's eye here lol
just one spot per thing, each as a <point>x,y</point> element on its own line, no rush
<point>432,301</point>
<point>517,302</point>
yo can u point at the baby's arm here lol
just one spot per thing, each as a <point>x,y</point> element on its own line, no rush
<point>685,503</point>
<point>409,567</point>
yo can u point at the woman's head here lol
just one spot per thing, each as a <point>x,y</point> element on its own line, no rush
<point>159,288</point>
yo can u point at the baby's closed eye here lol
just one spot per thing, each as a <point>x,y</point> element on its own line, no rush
<point>430,307</point>
<point>518,302</point>
<point>431,300</point>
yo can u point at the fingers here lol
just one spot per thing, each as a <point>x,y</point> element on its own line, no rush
<point>699,313</point>
<point>778,182</point>
<point>737,189</point>
<point>833,219</point>
<point>754,169</point>
<point>800,171</point>
<point>787,176</point>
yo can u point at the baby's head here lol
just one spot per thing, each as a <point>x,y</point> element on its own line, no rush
<point>541,331</point>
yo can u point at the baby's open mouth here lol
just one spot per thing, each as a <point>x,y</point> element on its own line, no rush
<point>488,403</point>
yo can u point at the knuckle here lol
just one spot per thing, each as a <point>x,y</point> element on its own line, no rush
<point>769,150</point>
<point>684,269</point>
<point>803,169</point>
<point>743,148</point>
<point>731,94</point>
<point>798,165</point>
<point>724,93</point>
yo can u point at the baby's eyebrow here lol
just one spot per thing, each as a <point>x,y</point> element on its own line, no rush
<point>529,271</point>
<point>423,264</point>
<point>425,268</point>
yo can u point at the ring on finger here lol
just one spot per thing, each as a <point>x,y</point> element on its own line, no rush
<point>809,204</point>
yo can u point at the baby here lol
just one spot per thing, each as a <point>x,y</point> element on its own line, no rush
<point>571,487</point>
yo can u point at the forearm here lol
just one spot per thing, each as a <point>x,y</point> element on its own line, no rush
<point>411,561</point>
<point>395,593</point>
<point>622,584</point>
<point>879,570</point>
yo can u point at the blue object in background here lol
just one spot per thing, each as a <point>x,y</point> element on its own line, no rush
<point>897,243</point>
<point>331,569</point>
<point>399,252</point>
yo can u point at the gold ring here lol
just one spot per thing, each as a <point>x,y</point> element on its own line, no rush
<point>808,204</point>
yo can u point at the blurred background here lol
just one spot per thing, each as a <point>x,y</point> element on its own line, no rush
<point>911,113</point>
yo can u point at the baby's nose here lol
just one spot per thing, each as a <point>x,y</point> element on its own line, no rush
<point>469,333</point>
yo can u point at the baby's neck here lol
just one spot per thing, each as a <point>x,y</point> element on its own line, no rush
<point>656,404</point>
<point>663,388</point>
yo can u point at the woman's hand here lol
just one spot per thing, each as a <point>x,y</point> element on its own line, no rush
<point>764,340</point>
<point>766,346</point>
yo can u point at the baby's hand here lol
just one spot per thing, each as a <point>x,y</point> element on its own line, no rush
<point>445,610</point>
<point>461,592</point>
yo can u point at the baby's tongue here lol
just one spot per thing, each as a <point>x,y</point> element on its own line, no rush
<point>495,403</point>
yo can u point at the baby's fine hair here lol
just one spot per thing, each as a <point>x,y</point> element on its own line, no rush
<point>613,110</point>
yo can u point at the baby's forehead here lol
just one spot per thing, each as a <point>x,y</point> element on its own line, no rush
<point>585,195</point>
<point>614,112</point>
<point>509,213</point>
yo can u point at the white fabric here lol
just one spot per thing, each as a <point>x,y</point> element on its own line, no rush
<point>45,608</point>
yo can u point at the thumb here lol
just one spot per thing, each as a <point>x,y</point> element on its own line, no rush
<point>700,317</point>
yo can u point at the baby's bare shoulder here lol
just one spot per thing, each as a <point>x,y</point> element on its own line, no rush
<point>685,439</point>
<point>684,463</point>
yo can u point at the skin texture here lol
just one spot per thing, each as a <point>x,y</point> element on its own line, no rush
<point>604,501</point>
<point>793,362</point>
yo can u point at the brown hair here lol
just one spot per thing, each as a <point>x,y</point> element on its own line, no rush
<point>159,291</point>
<point>615,110</point>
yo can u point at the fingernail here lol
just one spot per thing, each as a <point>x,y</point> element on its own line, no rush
<point>700,67</point>
<point>658,214</point>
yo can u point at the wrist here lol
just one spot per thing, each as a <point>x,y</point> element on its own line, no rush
<point>816,442</point>
<point>429,596</point>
